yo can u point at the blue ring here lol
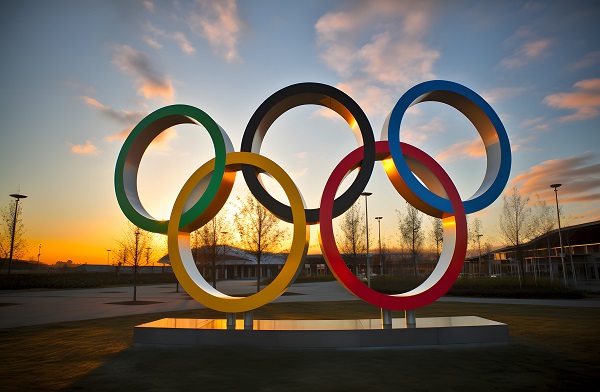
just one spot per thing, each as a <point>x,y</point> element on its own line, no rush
<point>485,120</point>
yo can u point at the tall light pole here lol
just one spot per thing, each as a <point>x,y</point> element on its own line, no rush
<point>367,194</point>
<point>379,234</point>
<point>135,263</point>
<point>562,252</point>
<point>12,240</point>
<point>108,256</point>
<point>479,246</point>
<point>39,254</point>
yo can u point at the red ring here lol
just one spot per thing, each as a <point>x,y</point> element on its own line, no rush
<point>422,295</point>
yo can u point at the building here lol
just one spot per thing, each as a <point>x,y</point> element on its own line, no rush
<point>234,263</point>
<point>542,256</point>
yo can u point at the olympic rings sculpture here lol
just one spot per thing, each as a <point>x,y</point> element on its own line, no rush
<point>417,177</point>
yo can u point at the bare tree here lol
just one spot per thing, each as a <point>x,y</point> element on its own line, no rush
<point>515,224</point>
<point>352,238</point>
<point>208,239</point>
<point>542,217</point>
<point>7,214</point>
<point>259,231</point>
<point>437,234</point>
<point>134,249</point>
<point>410,231</point>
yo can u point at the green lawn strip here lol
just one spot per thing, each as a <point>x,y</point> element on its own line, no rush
<point>483,286</point>
<point>554,346</point>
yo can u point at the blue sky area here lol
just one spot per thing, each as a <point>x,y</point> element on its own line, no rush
<point>77,76</point>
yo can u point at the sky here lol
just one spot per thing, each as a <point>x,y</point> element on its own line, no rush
<point>77,76</point>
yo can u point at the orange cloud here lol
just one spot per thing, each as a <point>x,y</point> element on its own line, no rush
<point>151,83</point>
<point>585,100</point>
<point>184,44</point>
<point>531,122</point>
<point>378,68</point>
<point>579,176</point>
<point>128,120</point>
<point>220,24</point>
<point>526,52</point>
<point>462,150</point>
<point>123,117</point>
<point>588,60</point>
<point>373,100</point>
<point>501,93</point>
<point>87,149</point>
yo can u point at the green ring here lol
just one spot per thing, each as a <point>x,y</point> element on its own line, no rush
<point>136,144</point>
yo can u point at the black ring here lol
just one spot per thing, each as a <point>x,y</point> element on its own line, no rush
<point>286,99</point>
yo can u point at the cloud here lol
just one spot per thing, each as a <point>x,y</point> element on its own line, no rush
<point>416,133</point>
<point>588,60</point>
<point>502,93</point>
<point>74,84</point>
<point>585,100</point>
<point>377,49</point>
<point>528,48</point>
<point>151,83</point>
<point>123,117</point>
<point>372,99</point>
<point>219,23</point>
<point>295,174</point>
<point>128,120</point>
<point>462,150</point>
<point>184,44</point>
<point>149,6</point>
<point>87,149</point>
<point>152,42</point>
<point>579,175</point>
<point>528,122</point>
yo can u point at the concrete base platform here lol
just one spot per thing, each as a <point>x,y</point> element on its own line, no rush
<point>435,331</point>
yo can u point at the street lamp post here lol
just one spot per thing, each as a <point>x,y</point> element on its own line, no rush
<point>562,252</point>
<point>367,194</point>
<point>479,246</point>
<point>39,254</point>
<point>135,264</point>
<point>108,256</point>
<point>12,239</point>
<point>379,235</point>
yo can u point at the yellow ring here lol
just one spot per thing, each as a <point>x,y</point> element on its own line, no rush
<point>179,240</point>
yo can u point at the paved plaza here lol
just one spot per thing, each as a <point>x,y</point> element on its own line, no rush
<point>22,308</point>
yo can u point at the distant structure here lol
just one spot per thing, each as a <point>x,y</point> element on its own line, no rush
<point>542,255</point>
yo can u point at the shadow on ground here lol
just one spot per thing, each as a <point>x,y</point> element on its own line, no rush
<point>517,366</point>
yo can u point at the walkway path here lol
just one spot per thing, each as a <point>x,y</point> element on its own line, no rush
<point>50,306</point>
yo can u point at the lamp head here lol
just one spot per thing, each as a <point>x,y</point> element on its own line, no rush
<point>555,186</point>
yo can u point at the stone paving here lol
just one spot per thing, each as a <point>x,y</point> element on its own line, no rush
<point>22,308</point>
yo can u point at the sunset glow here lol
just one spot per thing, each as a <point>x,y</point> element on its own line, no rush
<point>79,76</point>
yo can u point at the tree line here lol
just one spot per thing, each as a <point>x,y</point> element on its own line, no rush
<point>260,232</point>
<point>521,221</point>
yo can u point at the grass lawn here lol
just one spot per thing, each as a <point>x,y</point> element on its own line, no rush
<point>552,348</point>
